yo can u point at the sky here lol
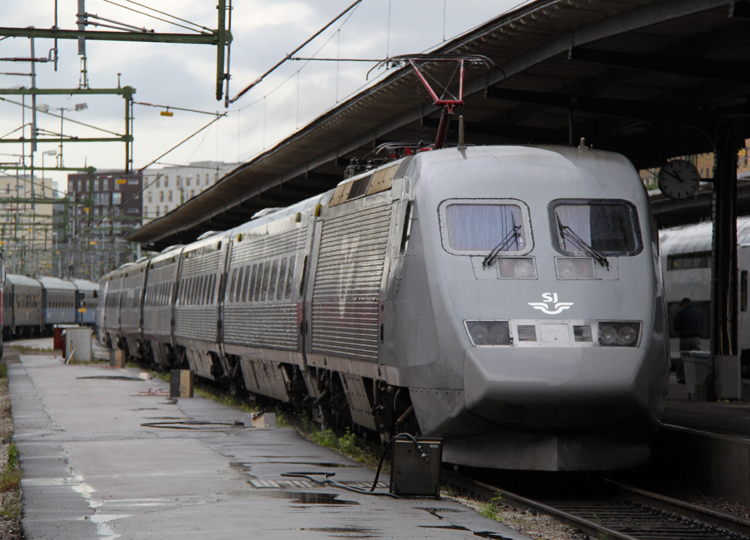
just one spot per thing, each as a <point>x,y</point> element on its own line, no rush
<point>183,76</point>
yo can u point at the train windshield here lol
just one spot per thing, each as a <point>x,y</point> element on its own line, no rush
<point>482,228</point>
<point>606,227</point>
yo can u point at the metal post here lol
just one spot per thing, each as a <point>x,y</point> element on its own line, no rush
<point>724,276</point>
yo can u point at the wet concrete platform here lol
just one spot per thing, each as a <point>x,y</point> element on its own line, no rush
<point>108,455</point>
<point>720,417</point>
<point>705,443</point>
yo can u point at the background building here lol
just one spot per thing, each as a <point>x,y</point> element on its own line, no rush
<point>169,187</point>
<point>92,221</point>
<point>26,225</point>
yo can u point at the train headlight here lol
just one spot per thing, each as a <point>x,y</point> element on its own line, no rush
<point>619,334</point>
<point>607,335</point>
<point>517,268</point>
<point>488,332</point>
<point>575,268</point>
<point>626,335</point>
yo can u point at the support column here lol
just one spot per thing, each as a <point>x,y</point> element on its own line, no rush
<point>724,292</point>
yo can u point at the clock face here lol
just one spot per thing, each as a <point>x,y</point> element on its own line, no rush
<point>679,179</point>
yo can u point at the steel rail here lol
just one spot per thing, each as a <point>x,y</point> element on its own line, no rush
<point>591,528</point>
<point>697,522</point>
<point>692,511</point>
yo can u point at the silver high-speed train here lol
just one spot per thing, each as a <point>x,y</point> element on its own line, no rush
<point>506,299</point>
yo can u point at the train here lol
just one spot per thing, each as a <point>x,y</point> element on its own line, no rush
<point>32,307</point>
<point>507,299</point>
<point>686,259</point>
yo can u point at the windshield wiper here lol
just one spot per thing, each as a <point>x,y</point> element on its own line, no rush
<point>513,235</point>
<point>569,234</point>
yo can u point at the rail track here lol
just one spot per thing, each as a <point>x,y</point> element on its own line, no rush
<point>620,512</point>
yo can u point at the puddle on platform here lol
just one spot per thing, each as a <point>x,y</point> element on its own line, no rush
<point>323,465</point>
<point>342,531</point>
<point>306,497</point>
<point>445,527</point>
<point>146,409</point>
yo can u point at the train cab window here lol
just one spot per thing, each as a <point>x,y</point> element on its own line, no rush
<point>290,277</point>
<point>282,277</point>
<point>609,227</point>
<point>480,226</point>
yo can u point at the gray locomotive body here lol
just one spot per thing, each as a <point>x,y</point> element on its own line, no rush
<point>507,299</point>
<point>553,390</point>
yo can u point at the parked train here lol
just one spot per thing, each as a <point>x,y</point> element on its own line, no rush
<point>506,299</point>
<point>33,306</point>
<point>686,258</point>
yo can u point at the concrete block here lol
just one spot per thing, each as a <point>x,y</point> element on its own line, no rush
<point>264,420</point>
<point>728,377</point>
<point>77,344</point>
<point>117,358</point>
<point>180,383</point>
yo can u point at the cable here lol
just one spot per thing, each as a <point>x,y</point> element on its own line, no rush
<point>288,56</point>
<point>158,18</point>
<point>219,117</point>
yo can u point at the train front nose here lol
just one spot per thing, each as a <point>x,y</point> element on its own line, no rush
<point>555,388</point>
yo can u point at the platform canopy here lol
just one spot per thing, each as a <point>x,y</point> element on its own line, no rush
<point>652,79</point>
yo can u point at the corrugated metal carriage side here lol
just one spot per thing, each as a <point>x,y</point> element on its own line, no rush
<point>133,282</point>
<point>262,303</point>
<point>196,307</point>
<point>158,305</point>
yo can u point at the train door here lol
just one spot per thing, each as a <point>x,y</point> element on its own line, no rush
<point>80,306</point>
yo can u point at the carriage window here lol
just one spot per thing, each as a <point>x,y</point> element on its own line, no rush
<point>251,287</point>
<point>258,282</point>
<point>482,228</point>
<point>290,277</point>
<point>239,284</point>
<point>282,277</point>
<point>687,261</point>
<point>272,282</point>
<point>246,283</point>
<point>231,286</point>
<point>607,226</point>
<point>266,273</point>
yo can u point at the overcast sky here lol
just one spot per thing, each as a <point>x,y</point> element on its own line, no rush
<point>184,76</point>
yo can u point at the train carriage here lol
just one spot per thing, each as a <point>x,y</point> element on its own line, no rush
<point>262,305</point>
<point>22,303</point>
<point>196,307</point>
<point>687,253</point>
<point>87,296</point>
<point>131,321</point>
<point>113,297</point>
<point>506,299</point>
<point>158,306</point>
<point>58,302</point>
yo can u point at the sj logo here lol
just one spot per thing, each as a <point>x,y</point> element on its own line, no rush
<point>550,298</point>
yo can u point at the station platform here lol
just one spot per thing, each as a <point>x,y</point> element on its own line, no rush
<point>109,455</point>
<point>719,417</point>
<point>704,444</point>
